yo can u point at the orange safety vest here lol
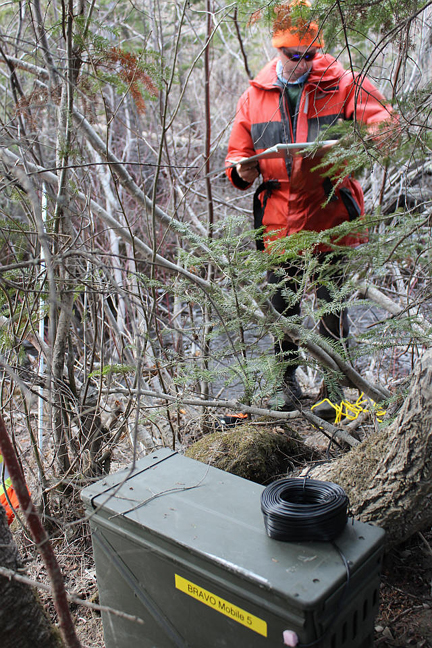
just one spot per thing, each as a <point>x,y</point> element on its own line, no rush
<point>6,488</point>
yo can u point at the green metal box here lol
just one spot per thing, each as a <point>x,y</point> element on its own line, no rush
<point>182,546</point>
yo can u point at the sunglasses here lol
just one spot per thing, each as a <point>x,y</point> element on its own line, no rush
<point>299,56</point>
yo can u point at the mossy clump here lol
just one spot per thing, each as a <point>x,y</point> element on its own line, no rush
<point>258,453</point>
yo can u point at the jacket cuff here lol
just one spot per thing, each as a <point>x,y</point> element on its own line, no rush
<point>237,181</point>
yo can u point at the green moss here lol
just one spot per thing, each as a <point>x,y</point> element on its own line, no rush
<point>259,454</point>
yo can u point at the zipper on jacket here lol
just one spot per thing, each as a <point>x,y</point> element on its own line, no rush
<point>297,112</point>
<point>287,126</point>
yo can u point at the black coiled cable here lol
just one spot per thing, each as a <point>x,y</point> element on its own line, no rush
<point>300,509</point>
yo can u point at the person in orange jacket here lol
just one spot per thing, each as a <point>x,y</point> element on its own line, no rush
<point>7,493</point>
<point>295,98</point>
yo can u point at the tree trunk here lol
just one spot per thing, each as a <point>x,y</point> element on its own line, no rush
<point>388,477</point>
<point>23,623</point>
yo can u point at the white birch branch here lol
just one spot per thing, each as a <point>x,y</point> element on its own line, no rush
<point>420,325</point>
<point>119,168</point>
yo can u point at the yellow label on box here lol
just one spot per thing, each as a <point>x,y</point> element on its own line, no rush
<point>221,605</point>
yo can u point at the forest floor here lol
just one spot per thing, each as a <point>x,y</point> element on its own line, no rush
<point>405,615</point>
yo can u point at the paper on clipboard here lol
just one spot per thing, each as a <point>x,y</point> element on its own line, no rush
<point>276,151</point>
<point>281,150</point>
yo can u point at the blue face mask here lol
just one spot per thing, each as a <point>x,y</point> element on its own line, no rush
<point>279,72</point>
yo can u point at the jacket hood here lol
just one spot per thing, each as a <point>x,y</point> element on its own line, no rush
<point>326,70</point>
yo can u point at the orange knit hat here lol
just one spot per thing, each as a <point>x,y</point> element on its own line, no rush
<point>292,33</point>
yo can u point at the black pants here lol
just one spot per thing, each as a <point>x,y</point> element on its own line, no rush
<point>332,326</point>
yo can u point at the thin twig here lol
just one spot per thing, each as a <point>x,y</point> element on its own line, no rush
<point>329,430</point>
<point>426,543</point>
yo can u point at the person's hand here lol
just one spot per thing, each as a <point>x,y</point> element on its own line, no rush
<point>248,171</point>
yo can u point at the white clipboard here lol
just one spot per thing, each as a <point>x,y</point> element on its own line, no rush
<point>277,151</point>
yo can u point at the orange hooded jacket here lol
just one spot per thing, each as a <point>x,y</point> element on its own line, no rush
<point>263,119</point>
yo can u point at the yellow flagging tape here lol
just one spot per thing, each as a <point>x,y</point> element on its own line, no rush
<point>351,411</point>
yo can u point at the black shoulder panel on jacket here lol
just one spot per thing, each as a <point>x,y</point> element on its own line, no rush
<point>267,134</point>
